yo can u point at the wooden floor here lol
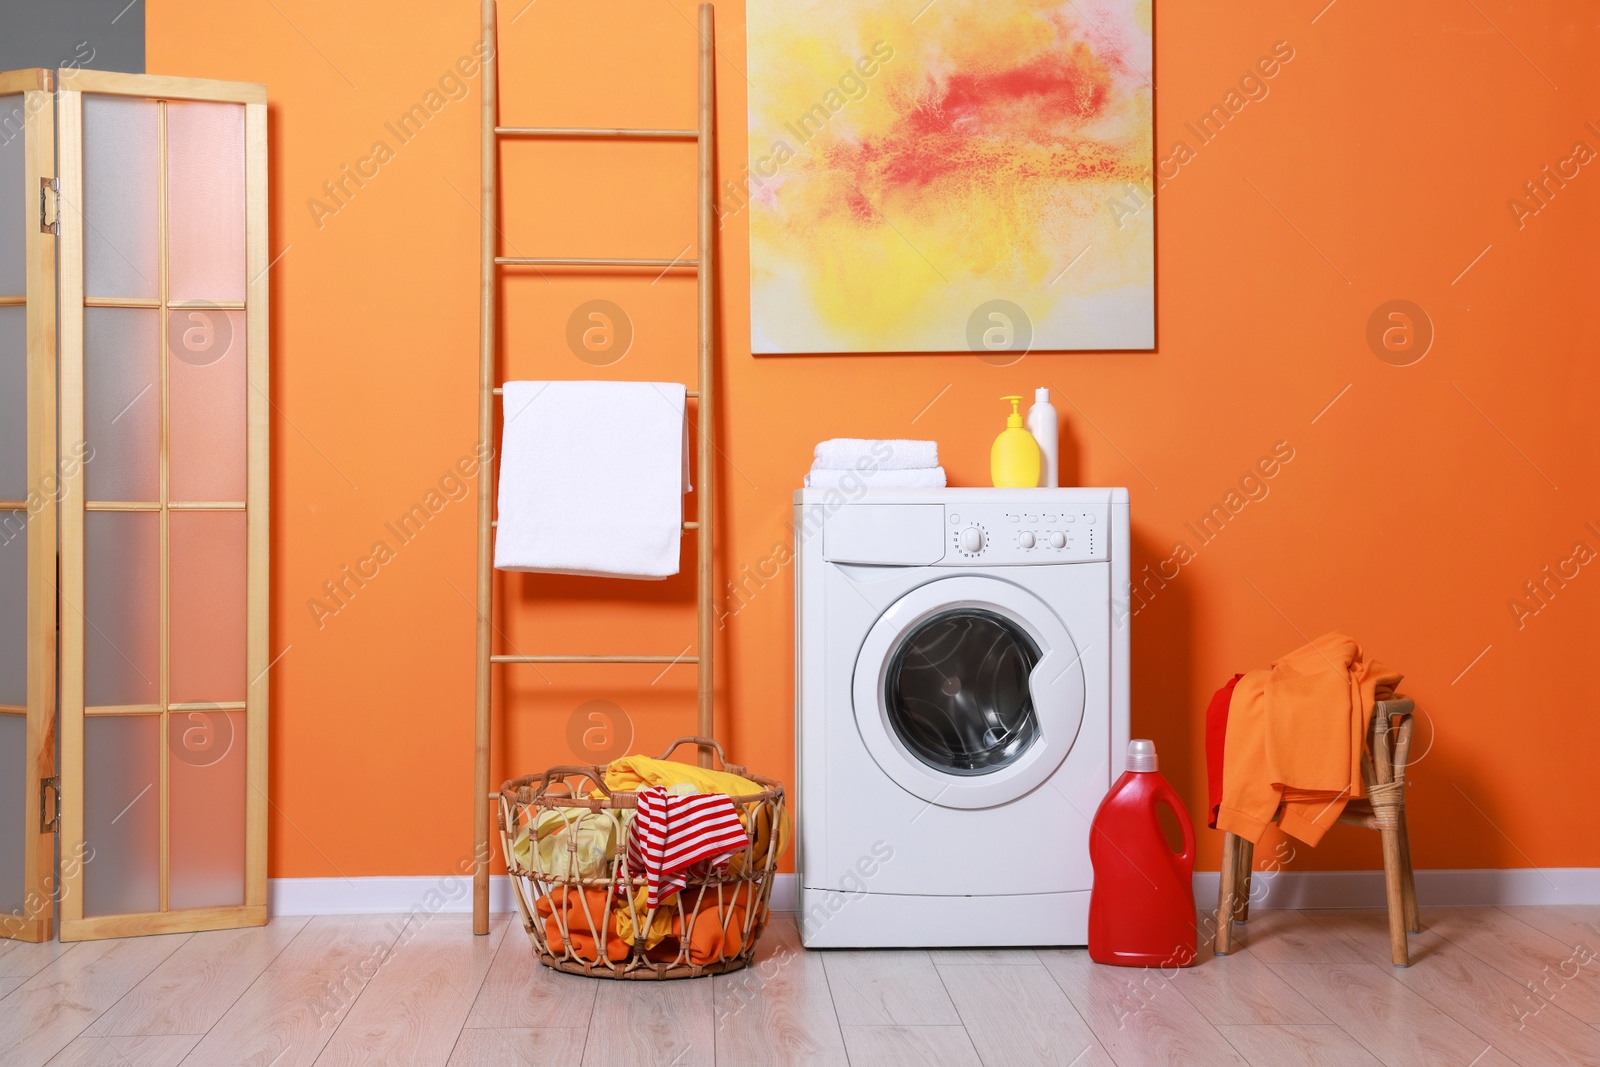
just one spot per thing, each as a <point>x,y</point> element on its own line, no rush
<point>1487,987</point>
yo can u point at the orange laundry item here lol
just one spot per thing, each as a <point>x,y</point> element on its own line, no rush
<point>710,939</point>
<point>584,914</point>
<point>1295,736</point>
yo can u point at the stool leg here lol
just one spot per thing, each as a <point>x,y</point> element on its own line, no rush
<point>1408,879</point>
<point>1247,863</point>
<point>1392,880</point>
<point>1225,892</point>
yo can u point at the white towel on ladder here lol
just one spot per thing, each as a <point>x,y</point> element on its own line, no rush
<point>592,478</point>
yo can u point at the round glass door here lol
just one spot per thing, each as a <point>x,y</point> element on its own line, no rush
<point>968,691</point>
<point>956,692</point>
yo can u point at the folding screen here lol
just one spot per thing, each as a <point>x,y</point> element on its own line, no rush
<point>160,484</point>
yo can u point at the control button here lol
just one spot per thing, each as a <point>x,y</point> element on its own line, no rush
<point>1031,518</point>
<point>1049,518</point>
<point>1013,518</point>
<point>955,520</point>
<point>1069,518</point>
<point>1089,518</point>
<point>972,540</point>
<point>1058,539</point>
<point>1026,539</point>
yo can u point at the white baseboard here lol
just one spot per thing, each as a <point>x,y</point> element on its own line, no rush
<point>404,894</point>
<point>1481,887</point>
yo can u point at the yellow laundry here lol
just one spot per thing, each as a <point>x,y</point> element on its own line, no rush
<point>633,773</point>
<point>573,843</point>
<point>660,923</point>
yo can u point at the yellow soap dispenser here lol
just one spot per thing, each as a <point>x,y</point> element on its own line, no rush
<point>1014,459</point>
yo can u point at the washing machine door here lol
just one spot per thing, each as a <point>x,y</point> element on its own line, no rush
<point>969,691</point>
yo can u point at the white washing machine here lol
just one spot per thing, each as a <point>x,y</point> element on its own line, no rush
<point>962,709</point>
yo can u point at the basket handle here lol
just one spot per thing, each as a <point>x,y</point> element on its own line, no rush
<point>593,772</point>
<point>705,742</point>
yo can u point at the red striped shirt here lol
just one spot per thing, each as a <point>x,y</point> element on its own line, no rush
<point>671,833</point>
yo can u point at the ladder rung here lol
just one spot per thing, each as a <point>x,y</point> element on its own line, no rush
<point>692,394</point>
<point>572,261</point>
<point>686,526</point>
<point>594,131</point>
<point>594,659</point>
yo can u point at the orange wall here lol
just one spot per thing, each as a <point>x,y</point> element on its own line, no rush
<point>1379,166</point>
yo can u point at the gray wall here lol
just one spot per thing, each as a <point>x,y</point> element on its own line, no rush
<point>102,34</point>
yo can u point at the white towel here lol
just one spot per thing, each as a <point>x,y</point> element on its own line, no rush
<point>853,453</point>
<point>868,478</point>
<point>592,477</point>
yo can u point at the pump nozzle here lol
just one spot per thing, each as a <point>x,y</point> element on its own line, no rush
<point>1014,420</point>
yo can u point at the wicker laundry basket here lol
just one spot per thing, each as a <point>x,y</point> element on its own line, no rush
<point>563,834</point>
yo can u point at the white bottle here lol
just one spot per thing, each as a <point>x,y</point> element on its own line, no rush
<point>1046,429</point>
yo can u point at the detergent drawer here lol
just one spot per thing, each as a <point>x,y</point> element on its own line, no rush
<point>904,535</point>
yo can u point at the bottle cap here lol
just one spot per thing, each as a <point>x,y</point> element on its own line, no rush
<point>1141,755</point>
<point>1041,395</point>
<point>1014,420</point>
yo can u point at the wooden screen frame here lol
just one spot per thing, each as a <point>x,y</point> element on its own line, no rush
<point>37,920</point>
<point>75,926</point>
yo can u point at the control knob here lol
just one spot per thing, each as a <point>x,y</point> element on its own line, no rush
<point>1026,539</point>
<point>1058,540</point>
<point>972,540</point>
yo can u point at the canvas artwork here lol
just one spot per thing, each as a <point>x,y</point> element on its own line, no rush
<point>950,176</point>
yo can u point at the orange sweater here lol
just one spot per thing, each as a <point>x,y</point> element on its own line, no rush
<point>1295,736</point>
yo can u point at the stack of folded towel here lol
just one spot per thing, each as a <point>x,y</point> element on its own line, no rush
<point>854,461</point>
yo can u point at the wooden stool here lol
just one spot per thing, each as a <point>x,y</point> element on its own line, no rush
<point>1383,773</point>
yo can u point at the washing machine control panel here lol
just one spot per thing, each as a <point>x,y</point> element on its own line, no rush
<point>996,534</point>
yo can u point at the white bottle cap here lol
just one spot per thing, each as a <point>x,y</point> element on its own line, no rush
<point>1141,755</point>
<point>1042,395</point>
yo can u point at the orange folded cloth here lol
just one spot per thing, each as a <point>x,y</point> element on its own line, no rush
<point>709,938</point>
<point>583,914</point>
<point>1296,732</point>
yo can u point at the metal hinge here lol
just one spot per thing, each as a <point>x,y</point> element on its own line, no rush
<point>50,800</point>
<point>49,206</point>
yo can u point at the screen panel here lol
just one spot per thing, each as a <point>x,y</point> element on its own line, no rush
<point>27,505</point>
<point>165,554</point>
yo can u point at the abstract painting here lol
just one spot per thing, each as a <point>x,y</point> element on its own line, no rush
<point>960,175</point>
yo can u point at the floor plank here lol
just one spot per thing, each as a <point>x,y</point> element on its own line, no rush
<point>651,1024</point>
<point>1289,937</point>
<point>1299,1045</point>
<point>1527,955</point>
<point>1518,1022</point>
<point>164,1050</point>
<point>887,987</point>
<point>1239,989</point>
<point>778,1010</point>
<point>522,993</point>
<point>1577,925</point>
<point>28,959</point>
<point>1137,1013</point>
<point>290,1012</point>
<point>1016,1014</point>
<point>412,1010</point>
<point>984,957</point>
<point>43,1015</point>
<point>911,1046</point>
<point>1397,1026</point>
<point>533,1046</point>
<point>197,984</point>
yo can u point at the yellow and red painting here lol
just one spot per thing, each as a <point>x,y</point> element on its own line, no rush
<point>949,176</point>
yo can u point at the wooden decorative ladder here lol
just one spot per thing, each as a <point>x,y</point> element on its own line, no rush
<point>703,264</point>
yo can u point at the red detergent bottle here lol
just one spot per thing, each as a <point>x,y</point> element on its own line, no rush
<point>1141,913</point>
